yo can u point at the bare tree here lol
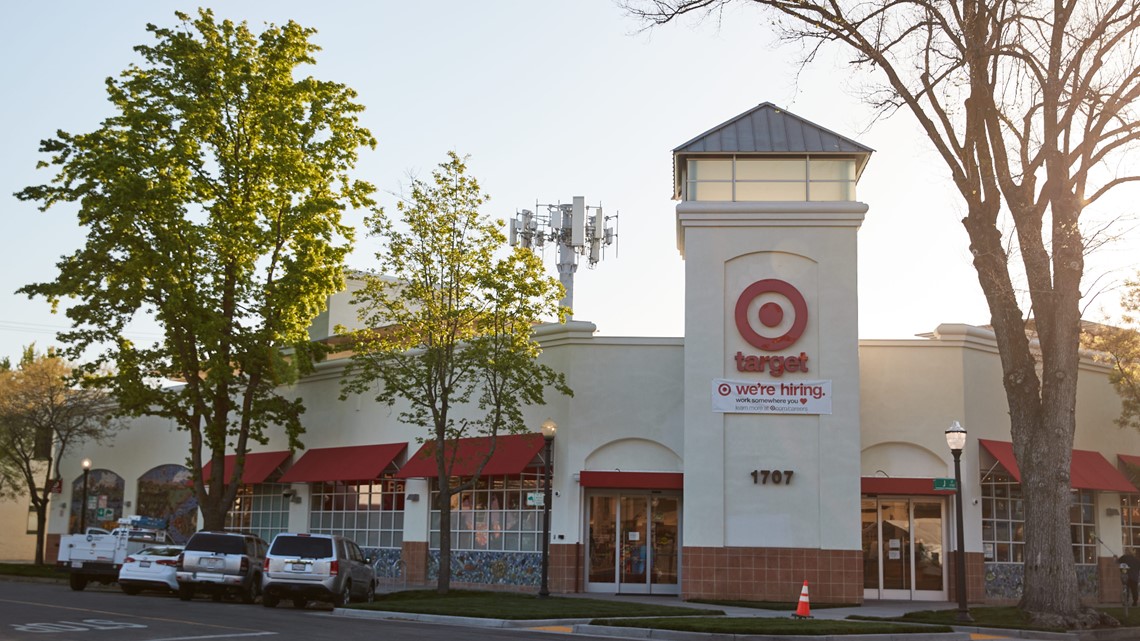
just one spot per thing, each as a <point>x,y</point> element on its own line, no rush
<point>1028,103</point>
<point>44,415</point>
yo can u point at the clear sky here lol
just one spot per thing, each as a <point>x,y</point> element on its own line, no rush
<point>551,100</point>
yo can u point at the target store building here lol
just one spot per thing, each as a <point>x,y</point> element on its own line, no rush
<point>766,447</point>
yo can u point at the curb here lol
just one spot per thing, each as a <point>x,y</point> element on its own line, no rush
<point>474,622</point>
<point>675,635</point>
<point>583,626</point>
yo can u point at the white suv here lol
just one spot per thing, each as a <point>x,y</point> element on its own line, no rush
<point>221,563</point>
<point>320,567</point>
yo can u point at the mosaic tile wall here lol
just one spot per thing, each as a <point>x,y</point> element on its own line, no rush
<point>490,568</point>
<point>386,561</point>
<point>1003,580</point>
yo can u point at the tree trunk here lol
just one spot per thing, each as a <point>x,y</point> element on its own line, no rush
<point>214,510</point>
<point>41,530</point>
<point>443,582</point>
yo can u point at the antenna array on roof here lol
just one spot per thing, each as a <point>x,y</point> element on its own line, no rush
<point>577,229</point>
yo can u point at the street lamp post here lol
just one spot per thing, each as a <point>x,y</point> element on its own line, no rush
<point>956,439</point>
<point>549,428</point>
<point>83,506</point>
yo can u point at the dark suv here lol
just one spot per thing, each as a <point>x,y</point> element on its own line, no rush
<point>320,567</point>
<point>221,563</point>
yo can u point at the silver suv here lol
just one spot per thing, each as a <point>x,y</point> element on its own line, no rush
<point>221,563</point>
<point>320,567</point>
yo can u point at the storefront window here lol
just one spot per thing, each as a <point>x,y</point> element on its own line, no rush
<point>260,509</point>
<point>1082,520</point>
<point>499,513</point>
<point>773,179</point>
<point>372,514</point>
<point>1130,520</point>
<point>1003,522</point>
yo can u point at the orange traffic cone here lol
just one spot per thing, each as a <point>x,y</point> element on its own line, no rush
<point>803,610</point>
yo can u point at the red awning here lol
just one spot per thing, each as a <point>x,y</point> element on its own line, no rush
<point>900,485</point>
<point>351,463</point>
<point>1003,452</point>
<point>1089,470</point>
<point>632,480</point>
<point>1129,459</point>
<point>513,454</point>
<point>258,466</point>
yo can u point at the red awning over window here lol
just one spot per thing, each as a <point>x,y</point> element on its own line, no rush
<point>1089,470</point>
<point>258,466</point>
<point>632,480</point>
<point>1129,459</point>
<point>351,463</point>
<point>513,454</point>
<point>1003,452</point>
<point>900,485</point>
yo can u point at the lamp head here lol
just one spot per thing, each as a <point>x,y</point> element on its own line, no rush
<point>956,437</point>
<point>549,429</point>
<point>86,464</point>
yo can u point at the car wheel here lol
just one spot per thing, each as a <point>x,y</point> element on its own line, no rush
<point>345,597</point>
<point>77,582</point>
<point>300,603</point>
<point>130,589</point>
<point>249,595</point>
<point>269,601</point>
<point>185,592</point>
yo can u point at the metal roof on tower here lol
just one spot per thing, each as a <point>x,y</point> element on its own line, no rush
<point>767,130</point>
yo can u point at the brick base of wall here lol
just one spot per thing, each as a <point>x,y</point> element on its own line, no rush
<point>772,574</point>
<point>975,577</point>
<point>415,557</point>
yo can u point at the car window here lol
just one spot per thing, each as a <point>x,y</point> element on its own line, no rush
<point>224,543</point>
<point>162,550</point>
<point>354,551</point>
<point>302,546</point>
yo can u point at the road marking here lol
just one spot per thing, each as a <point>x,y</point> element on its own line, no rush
<point>247,631</point>
<point>553,628</point>
<point>216,637</point>
<point>979,637</point>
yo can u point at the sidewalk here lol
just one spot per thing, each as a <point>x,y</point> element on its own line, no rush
<point>885,609</point>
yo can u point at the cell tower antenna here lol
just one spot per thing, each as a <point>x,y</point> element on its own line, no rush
<point>577,229</point>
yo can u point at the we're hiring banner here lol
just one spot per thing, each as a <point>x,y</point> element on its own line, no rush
<point>771,397</point>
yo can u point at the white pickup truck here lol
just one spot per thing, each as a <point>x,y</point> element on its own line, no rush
<point>96,555</point>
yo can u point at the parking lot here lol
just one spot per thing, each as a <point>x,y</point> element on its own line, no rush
<point>52,612</point>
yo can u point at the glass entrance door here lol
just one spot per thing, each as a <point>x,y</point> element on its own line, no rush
<point>903,553</point>
<point>633,544</point>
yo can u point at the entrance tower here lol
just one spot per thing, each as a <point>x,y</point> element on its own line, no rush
<point>767,224</point>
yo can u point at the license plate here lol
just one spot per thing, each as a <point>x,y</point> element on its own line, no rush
<point>144,564</point>
<point>212,563</point>
<point>300,567</point>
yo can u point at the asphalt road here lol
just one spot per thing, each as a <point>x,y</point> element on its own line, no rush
<point>53,612</point>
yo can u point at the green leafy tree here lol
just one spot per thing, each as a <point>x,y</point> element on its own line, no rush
<point>212,201</point>
<point>449,327</point>
<point>1119,346</point>
<point>1031,106</point>
<point>45,414</point>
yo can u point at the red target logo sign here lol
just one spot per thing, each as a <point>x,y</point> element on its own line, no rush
<point>771,314</point>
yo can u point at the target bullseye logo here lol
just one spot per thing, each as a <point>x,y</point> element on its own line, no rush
<point>771,314</point>
<point>724,389</point>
